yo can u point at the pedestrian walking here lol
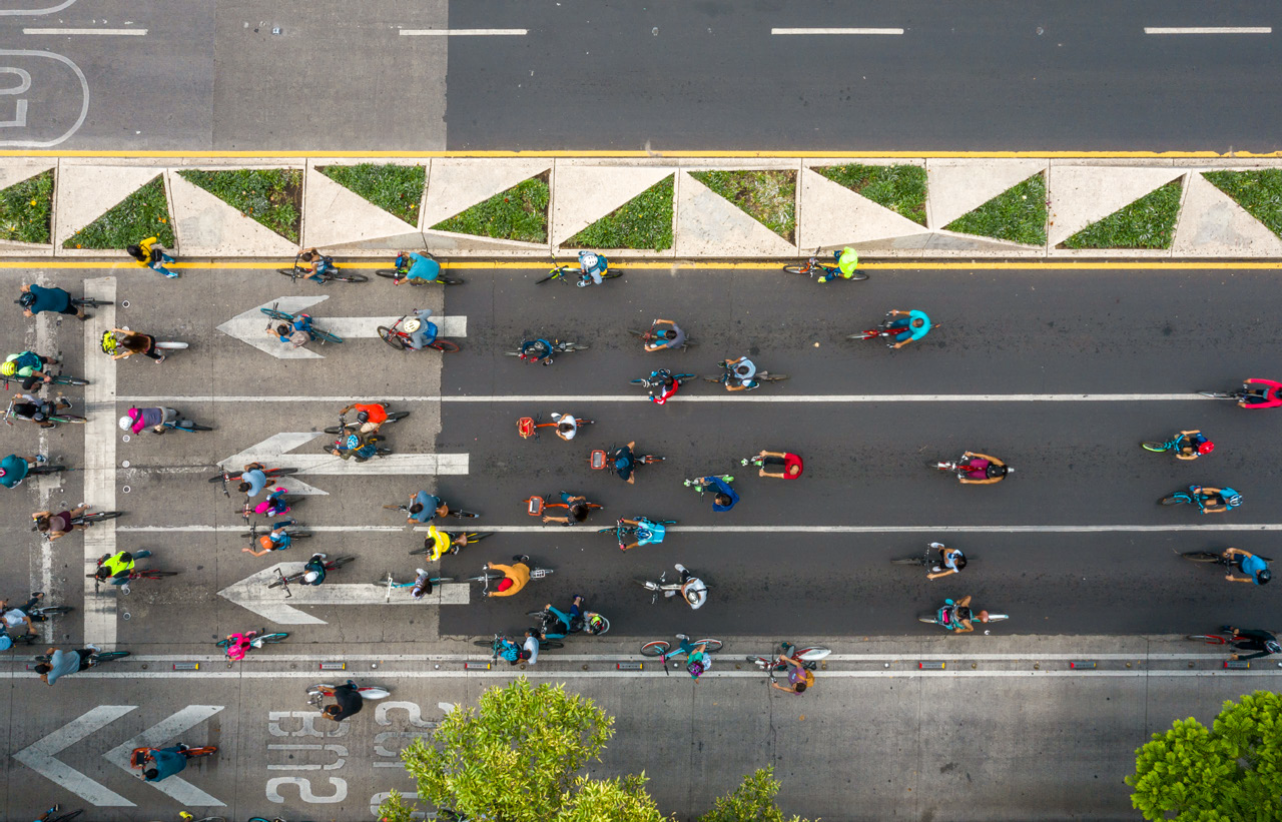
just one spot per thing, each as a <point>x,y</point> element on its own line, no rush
<point>151,254</point>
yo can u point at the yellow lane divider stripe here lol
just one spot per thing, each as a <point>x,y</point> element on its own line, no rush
<point>659,155</point>
<point>1071,265</point>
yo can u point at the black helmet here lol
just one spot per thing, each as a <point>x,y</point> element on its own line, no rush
<point>27,299</point>
<point>362,417</point>
<point>994,470</point>
<point>1263,577</point>
<point>963,613</point>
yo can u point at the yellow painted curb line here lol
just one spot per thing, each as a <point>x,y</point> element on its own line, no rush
<point>661,155</point>
<point>1071,265</point>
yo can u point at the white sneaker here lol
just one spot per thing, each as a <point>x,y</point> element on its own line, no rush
<point>937,545</point>
<point>420,572</point>
<point>93,648</point>
<point>124,589</point>
<point>680,567</point>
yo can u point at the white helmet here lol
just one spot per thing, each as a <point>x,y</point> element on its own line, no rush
<point>411,325</point>
<point>745,369</point>
<point>126,423</point>
<point>310,577</point>
<point>588,259</point>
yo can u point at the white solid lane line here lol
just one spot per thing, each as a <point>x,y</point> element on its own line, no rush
<point>115,32</point>
<point>722,397</point>
<point>1211,30</point>
<point>502,672</point>
<point>463,32</point>
<point>836,31</point>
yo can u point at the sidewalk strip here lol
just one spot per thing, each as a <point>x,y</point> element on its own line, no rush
<point>716,154</point>
<point>100,461</point>
<point>114,32</point>
<point>463,32</point>
<point>722,397</point>
<point>836,31</point>
<point>505,673</point>
<point>1211,30</point>
<point>559,531</point>
<point>625,657</point>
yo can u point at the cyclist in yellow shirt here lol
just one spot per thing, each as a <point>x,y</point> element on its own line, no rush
<point>151,254</point>
<point>439,543</point>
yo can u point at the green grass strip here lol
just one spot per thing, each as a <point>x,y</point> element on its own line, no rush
<point>520,213</point>
<point>1018,214</point>
<point>26,209</point>
<point>645,221</point>
<point>396,189</point>
<point>1259,192</point>
<point>143,214</point>
<point>1149,222</point>
<point>769,197</point>
<point>271,196</point>
<point>902,188</point>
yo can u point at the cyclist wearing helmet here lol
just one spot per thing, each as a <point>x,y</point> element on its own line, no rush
<point>957,616</point>
<point>13,469</point>
<point>667,334</point>
<point>1261,393</point>
<point>539,351</point>
<point>566,426</point>
<point>1256,568</point>
<point>741,374</point>
<point>277,540</point>
<point>577,620</point>
<point>1215,500</point>
<point>1192,444</point>
<point>1248,639</point>
<point>311,260</point>
<point>36,298</point>
<point>421,268</point>
<point>37,410</point>
<point>136,419</point>
<point>577,510</point>
<point>980,469</point>
<point>594,266</point>
<point>274,504</point>
<point>370,416</point>
<point>314,570</point>
<point>439,543</point>
<point>847,262</point>
<point>692,589</point>
<point>913,326</point>
<point>624,462</point>
<point>951,561</point>
<point>28,366</point>
<point>117,567</point>
<point>698,660</point>
<point>515,576</point>
<point>422,332</point>
<point>648,533</point>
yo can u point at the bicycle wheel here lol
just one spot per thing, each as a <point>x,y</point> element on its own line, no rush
<point>796,269</point>
<point>1174,499</point>
<point>611,275</point>
<point>390,273</point>
<point>421,550</point>
<point>107,656</point>
<point>908,561</point>
<point>640,382</point>
<point>149,574</point>
<point>390,337</point>
<point>300,535</point>
<point>570,346</point>
<point>712,379</point>
<point>1157,447</point>
<point>90,302</point>
<point>72,419</point>
<point>490,575</point>
<point>326,336</point>
<point>484,643</point>
<point>62,380</point>
<point>713,645</point>
<point>445,346</point>
<point>399,506</point>
<point>462,514</point>
<point>657,648</point>
<point>281,472</point>
<point>222,643</point>
<point>650,459</point>
<point>289,272</point>
<point>271,639</point>
<point>39,470</point>
<point>277,315</point>
<point>929,619</point>
<point>351,278</point>
<point>341,561</point>
<point>172,345</point>
<point>552,275</point>
<point>194,753</point>
<point>54,610</point>
<point>550,644</point>
<point>1208,639</point>
<point>764,377</point>
<point>998,617</point>
<point>471,538</point>
<point>67,817</point>
<point>99,516</point>
<point>1201,556</point>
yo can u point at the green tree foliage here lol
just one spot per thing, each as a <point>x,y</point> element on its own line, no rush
<point>1232,771</point>
<point>752,801</point>
<point>516,758</point>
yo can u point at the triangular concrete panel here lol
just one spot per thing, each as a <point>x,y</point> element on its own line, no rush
<point>955,187</point>
<point>455,185</point>
<point>338,215</point>
<point>1081,195</point>
<point>208,227</point>
<point>449,241</point>
<point>87,192</point>
<point>378,246</point>
<point>1211,224</point>
<point>942,241</point>
<point>584,193</point>
<point>14,172</point>
<point>833,215</point>
<point>709,225</point>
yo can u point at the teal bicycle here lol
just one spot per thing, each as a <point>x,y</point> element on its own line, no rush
<point>317,334</point>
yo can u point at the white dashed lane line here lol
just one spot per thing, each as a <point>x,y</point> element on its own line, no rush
<point>113,32</point>
<point>463,32</point>
<point>1211,30</point>
<point>836,31</point>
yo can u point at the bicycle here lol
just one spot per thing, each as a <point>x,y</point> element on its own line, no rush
<point>661,647</point>
<point>328,275</point>
<point>930,559</point>
<point>883,330</point>
<point>66,817</point>
<point>552,347</point>
<point>649,337</point>
<point>109,342</point>
<point>599,459</point>
<point>489,575</point>
<point>90,302</point>
<point>44,469</point>
<point>1237,395</point>
<point>140,756</point>
<point>83,519</point>
<point>1173,444</point>
<point>621,530</point>
<point>830,271</point>
<point>257,639</point>
<point>293,579</point>
<point>56,417</point>
<point>1189,497</point>
<point>54,379</point>
<point>285,317</point>
<point>1220,558</point>
<point>271,474</point>
<point>496,644</point>
<point>808,657</point>
<point>454,546</point>
<point>551,626</point>
<point>316,693</point>
<point>534,506</point>
<point>400,340</point>
<point>658,380</point>
<point>528,427</point>
<point>345,427</point>
<point>184,424</point>
<point>662,586</point>
<point>147,573</point>
<point>401,274</point>
<point>573,273</point>
<point>1210,639</point>
<point>698,484</point>
<point>39,614</point>
<point>254,533</point>
<point>727,374</point>
<point>933,618</point>
<point>95,659</point>
<point>404,508</point>
<point>959,467</point>
<point>389,582</point>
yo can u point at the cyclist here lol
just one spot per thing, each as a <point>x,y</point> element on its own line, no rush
<point>572,622</point>
<point>121,343</point>
<point>648,533</point>
<point>239,645</point>
<point>425,507</point>
<point>11,618</point>
<point>422,584</point>
<point>740,376</point>
<point>151,254</point>
<point>667,335</point>
<point>566,426</point>
<point>790,465</point>
<point>14,469</point>
<point>698,660</point>
<point>314,570</point>
<point>725,498</point>
<point>422,331</point>
<point>799,679</point>
<point>957,616</point>
<point>594,267</point>
<point>847,261</point>
<point>665,382</point>
<point>1260,393</point>
<point>530,650</point>
<point>625,462</point>
<point>62,663</point>
<point>1256,568</point>
<point>369,416</point>
<point>577,511</point>
<point>363,447</point>
<point>692,589</point>
<point>1215,500</point>
<point>438,543</point>
<point>515,576</point>
<point>912,325</point>
<point>36,298</point>
<point>34,409</point>
<point>539,351</point>
<point>1192,444</point>
<point>277,539</point>
<point>57,526</point>
<point>136,419</point>
<point>980,469</point>
<point>298,333</point>
<point>951,561</point>
<point>168,761</point>
<point>116,568</point>
<point>1249,639</point>
<point>253,480</point>
<point>314,262</point>
<point>347,702</point>
<point>28,366</point>
<point>419,267</point>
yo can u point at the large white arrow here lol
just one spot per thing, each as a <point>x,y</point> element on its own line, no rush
<point>253,594</point>
<point>40,756</point>
<point>157,736</point>
<point>275,450</point>
<point>251,327</point>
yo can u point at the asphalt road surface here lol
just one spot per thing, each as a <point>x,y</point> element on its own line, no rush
<point>581,74</point>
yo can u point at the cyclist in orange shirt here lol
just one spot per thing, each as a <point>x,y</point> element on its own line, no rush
<point>515,576</point>
<point>371,416</point>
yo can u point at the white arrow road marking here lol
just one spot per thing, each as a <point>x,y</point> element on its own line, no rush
<point>156,737</point>
<point>40,756</point>
<point>275,451</point>
<point>251,327</point>
<point>253,594</point>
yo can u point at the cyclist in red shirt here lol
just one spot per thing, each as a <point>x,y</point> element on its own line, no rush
<point>783,465</point>
<point>370,416</point>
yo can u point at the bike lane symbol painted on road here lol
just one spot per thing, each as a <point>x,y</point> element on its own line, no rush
<point>44,10</point>
<point>39,91</point>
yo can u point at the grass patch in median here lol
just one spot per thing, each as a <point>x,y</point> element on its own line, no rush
<point>902,188</point>
<point>1149,222</point>
<point>1018,214</point>
<point>396,189</point>
<point>645,221</point>
<point>769,197</point>
<point>1259,192</point>
<point>520,213</point>
<point>26,209</point>
<point>143,214</point>
<point>270,196</point>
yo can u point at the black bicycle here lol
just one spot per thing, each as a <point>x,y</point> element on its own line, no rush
<point>401,274</point>
<point>344,426</point>
<point>329,275</point>
<point>66,817</point>
<point>296,577</point>
<point>96,658</point>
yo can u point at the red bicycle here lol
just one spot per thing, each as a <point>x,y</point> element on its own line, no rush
<point>141,756</point>
<point>400,340</point>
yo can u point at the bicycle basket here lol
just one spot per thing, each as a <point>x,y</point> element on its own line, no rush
<point>108,342</point>
<point>598,460</point>
<point>139,757</point>
<point>525,427</point>
<point>534,506</point>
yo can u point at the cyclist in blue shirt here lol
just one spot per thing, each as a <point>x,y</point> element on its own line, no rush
<point>421,268</point>
<point>298,333</point>
<point>168,762</point>
<point>648,532</point>
<point>314,570</point>
<point>37,298</point>
<point>253,480</point>
<point>725,498</point>
<point>624,462</point>
<point>1255,568</point>
<point>914,324</point>
<point>1215,500</point>
<point>424,508</point>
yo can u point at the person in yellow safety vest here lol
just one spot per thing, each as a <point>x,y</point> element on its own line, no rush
<point>116,568</point>
<point>438,543</point>
<point>847,262</point>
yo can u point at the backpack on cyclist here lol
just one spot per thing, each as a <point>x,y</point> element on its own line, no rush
<point>27,359</point>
